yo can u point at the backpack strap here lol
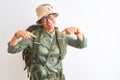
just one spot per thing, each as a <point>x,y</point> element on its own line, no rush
<point>37,28</point>
<point>60,43</point>
<point>61,48</point>
<point>32,52</point>
<point>34,27</point>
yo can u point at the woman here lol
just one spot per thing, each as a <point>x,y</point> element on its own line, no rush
<point>50,67</point>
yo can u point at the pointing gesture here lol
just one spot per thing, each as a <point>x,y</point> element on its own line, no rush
<point>73,30</point>
<point>24,34</point>
<point>70,30</point>
<point>21,33</point>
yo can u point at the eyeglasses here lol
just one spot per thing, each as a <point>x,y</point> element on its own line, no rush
<point>50,17</point>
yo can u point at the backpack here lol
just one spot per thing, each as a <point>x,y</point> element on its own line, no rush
<point>29,53</point>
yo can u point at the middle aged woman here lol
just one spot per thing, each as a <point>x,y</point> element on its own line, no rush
<point>48,44</point>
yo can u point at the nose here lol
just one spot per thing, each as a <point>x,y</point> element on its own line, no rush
<point>48,20</point>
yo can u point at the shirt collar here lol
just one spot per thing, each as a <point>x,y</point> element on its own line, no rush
<point>51,35</point>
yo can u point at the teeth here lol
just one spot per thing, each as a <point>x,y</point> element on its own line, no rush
<point>49,24</point>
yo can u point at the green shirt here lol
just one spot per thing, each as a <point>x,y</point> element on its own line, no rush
<point>53,65</point>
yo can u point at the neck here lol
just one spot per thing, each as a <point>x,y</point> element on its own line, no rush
<point>49,31</point>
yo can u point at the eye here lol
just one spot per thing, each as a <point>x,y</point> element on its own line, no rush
<point>43,19</point>
<point>51,16</point>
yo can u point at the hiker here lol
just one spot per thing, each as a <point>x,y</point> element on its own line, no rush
<point>46,43</point>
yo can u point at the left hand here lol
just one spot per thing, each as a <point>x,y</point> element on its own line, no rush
<point>70,30</point>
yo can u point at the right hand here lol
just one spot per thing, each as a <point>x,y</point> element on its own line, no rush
<point>24,34</point>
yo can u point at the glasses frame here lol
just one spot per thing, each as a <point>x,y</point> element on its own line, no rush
<point>49,16</point>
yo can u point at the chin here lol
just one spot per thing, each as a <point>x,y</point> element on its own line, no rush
<point>51,27</point>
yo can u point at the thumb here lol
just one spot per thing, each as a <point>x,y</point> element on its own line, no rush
<point>63,31</point>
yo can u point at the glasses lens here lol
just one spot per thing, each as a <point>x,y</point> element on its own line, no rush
<point>50,17</point>
<point>43,19</point>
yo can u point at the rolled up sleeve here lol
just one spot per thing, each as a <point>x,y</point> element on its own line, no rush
<point>19,47</point>
<point>77,43</point>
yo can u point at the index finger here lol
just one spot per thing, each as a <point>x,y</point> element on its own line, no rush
<point>33,35</point>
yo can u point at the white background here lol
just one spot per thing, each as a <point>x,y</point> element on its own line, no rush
<point>99,20</point>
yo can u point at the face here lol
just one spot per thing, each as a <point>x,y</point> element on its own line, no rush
<point>49,21</point>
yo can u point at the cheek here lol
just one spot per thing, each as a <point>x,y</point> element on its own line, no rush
<point>54,22</point>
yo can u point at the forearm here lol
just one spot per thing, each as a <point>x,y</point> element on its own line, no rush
<point>79,36</point>
<point>14,40</point>
<point>13,49</point>
<point>22,44</point>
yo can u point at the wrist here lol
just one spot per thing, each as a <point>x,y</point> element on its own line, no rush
<point>77,32</point>
<point>16,36</point>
